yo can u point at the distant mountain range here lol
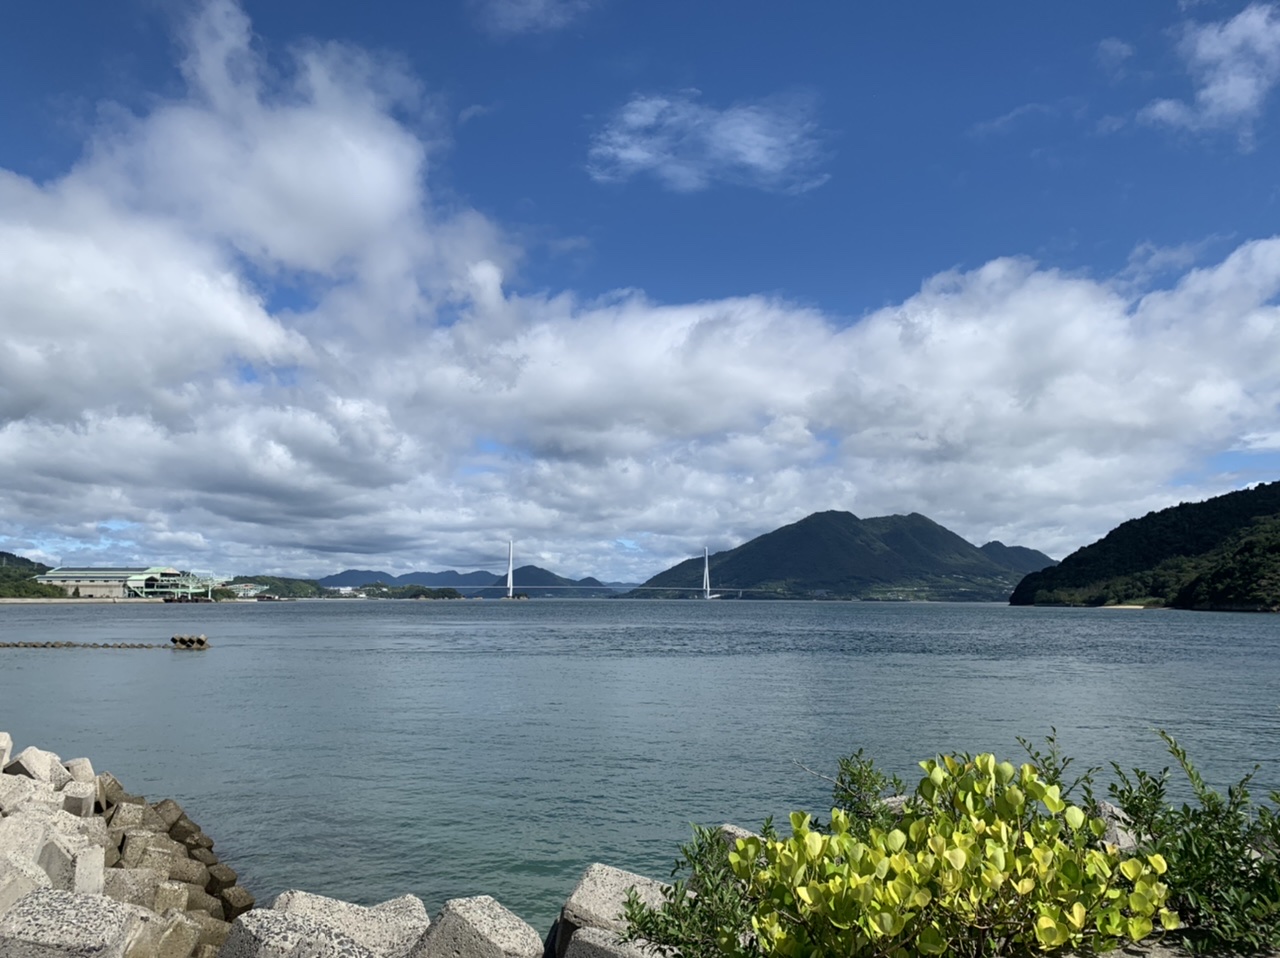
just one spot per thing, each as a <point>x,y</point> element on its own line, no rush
<point>1219,554</point>
<point>837,555</point>
<point>529,580</point>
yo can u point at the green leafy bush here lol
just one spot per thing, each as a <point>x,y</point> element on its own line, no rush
<point>1224,876</point>
<point>991,861</point>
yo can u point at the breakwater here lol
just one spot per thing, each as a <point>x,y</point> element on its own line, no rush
<point>89,870</point>
<point>178,643</point>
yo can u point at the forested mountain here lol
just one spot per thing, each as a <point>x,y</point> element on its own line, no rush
<point>435,580</point>
<point>535,582</point>
<point>1019,558</point>
<point>837,555</point>
<point>16,579</point>
<point>1223,553</point>
<point>282,587</point>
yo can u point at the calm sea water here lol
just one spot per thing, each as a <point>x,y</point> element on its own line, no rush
<point>369,749</point>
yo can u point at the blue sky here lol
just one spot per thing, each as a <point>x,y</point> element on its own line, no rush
<point>292,287</point>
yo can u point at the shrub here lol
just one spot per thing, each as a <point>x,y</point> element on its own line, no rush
<point>1224,876</point>
<point>976,868</point>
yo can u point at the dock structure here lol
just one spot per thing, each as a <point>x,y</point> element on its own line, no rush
<point>129,582</point>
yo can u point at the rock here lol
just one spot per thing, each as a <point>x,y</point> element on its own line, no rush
<point>198,840</point>
<point>112,856</point>
<point>81,770</point>
<point>49,923</point>
<point>598,943</point>
<point>389,930</point>
<point>125,816</point>
<point>731,834</point>
<point>206,951</point>
<point>478,927</point>
<point>78,798</point>
<point>6,748</point>
<point>220,878</point>
<point>92,829</point>
<point>193,873</point>
<point>1118,832</point>
<point>18,878</point>
<point>169,812</point>
<point>236,900</point>
<point>202,855</point>
<point>264,933</point>
<point>598,899</point>
<point>134,886</point>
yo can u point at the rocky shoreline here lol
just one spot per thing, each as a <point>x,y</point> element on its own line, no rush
<point>88,870</point>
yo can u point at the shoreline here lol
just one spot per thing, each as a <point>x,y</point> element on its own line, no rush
<point>86,601</point>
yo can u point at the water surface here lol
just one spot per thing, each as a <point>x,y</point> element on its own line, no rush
<point>367,749</point>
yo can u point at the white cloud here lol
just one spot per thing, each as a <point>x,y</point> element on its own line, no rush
<point>155,407</point>
<point>510,17</point>
<point>1234,64</point>
<point>1112,55</point>
<point>770,144</point>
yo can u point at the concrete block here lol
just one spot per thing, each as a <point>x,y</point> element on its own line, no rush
<point>183,829</point>
<point>49,923</point>
<point>236,900</point>
<point>169,812</point>
<point>125,816</point>
<point>161,859</point>
<point>478,927</point>
<point>389,930</point>
<point>91,871</point>
<point>731,834</point>
<point>200,900</point>
<point>598,899</point>
<point>193,873</point>
<point>205,951</point>
<point>40,765</point>
<point>221,877</point>
<point>110,790</point>
<point>19,877</point>
<point>18,790</point>
<point>78,798</point>
<point>202,855</point>
<point>264,933</point>
<point>92,830</point>
<point>138,842</point>
<point>6,748</point>
<point>24,834</point>
<point>134,886</point>
<point>171,894</point>
<point>212,931</point>
<point>112,856</point>
<point>1118,831</point>
<point>81,770</point>
<point>179,937</point>
<point>598,943</point>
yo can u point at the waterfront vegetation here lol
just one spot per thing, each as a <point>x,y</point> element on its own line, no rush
<point>982,859</point>
<point>16,579</point>
<point>1220,554</point>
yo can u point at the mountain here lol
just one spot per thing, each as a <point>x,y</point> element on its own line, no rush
<point>16,581</point>
<point>1222,553</point>
<point>539,583</point>
<point>1018,558</point>
<point>837,555</point>
<point>354,578</point>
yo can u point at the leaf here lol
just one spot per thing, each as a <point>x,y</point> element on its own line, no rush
<point>1075,817</point>
<point>956,857</point>
<point>1139,927</point>
<point>1131,868</point>
<point>895,840</point>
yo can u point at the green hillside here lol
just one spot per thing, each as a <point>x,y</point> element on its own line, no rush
<point>282,587</point>
<point>837,555</point>
<point>1223,553</point>
<point>16,579</point>
<point>536,582</point>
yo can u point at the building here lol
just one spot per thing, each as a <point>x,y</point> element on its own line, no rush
<point>121,582</point>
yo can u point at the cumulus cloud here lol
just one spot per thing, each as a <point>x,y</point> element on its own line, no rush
<point>410,410</point>
<point>510,17</point>
<point>772,144</point>
<point>1234,64</point>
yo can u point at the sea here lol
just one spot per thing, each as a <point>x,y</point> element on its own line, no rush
<point>369,749</point>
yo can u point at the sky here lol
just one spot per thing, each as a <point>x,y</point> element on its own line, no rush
<point>290,288</point>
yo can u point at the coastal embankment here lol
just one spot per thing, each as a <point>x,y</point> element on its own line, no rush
<point>89,870</point>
